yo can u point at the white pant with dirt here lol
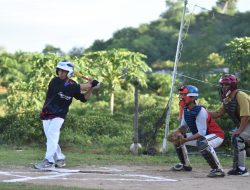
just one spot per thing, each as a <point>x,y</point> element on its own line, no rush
<point>212,139</point>
<point>51,129</point>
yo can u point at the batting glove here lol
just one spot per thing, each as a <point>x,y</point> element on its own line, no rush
<point>94,83</point>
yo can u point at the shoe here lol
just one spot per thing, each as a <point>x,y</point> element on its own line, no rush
<point>216,173</point>
<point>45,165</point>
<point>238,172</point>
<point>60,163</point>
<point>180,167</point>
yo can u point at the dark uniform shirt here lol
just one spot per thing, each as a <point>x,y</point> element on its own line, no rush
<point>59,97</point>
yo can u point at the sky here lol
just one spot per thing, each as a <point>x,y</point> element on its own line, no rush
<point>29,25</point>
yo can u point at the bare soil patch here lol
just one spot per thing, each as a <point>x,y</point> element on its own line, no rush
<point>124,178</point>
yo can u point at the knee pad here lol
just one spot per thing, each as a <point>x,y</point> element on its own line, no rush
<point>238,143</point>
<point>238,146</point>
<point>202,143</point>
<point>247,148</point>
<point>208,153</point>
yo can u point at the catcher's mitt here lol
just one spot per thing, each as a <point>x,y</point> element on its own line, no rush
<point>176,138</point>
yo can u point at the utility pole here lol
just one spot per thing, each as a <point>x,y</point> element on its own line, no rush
<point>164,144</point>
<point>136,146</point>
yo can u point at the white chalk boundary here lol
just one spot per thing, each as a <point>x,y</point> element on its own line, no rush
<point>61,173</point>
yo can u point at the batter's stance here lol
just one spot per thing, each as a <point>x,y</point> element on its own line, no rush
<point>61,91</point>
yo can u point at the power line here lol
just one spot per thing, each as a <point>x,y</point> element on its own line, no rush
<point>197,80</point>
<point>205,82</point>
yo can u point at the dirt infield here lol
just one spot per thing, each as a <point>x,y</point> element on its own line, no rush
<point>124,178</point>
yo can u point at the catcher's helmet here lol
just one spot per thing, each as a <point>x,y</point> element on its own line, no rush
<point>66,66</point>
<point>228,83</point>
<point>189,90</point>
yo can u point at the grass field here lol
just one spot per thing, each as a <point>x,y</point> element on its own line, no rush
<point>79,156</point>
<point>26,156</point>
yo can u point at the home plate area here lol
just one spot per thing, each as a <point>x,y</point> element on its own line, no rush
<point>111,177</point>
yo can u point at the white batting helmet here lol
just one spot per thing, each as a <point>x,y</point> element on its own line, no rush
<point>66,66</point>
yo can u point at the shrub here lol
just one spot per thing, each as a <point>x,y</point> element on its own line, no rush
<point>21,129</point>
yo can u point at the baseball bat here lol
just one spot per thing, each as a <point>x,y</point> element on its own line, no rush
<point>80,75</point>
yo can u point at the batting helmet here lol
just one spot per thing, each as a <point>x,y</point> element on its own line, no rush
<point>189,90</point>
<point>66,66</point>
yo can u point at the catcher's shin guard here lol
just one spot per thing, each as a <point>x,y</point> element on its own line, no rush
<point>182,154</point>
<point>239,151</point>
<point>208,153</point>
<point>247,148</point>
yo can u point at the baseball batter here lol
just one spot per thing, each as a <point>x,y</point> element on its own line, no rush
<point>61,91</point>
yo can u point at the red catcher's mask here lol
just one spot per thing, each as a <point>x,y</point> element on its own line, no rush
<point>181,108</point>
<point>228,83</point>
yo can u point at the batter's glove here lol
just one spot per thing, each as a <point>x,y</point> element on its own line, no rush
<point>176,138</point>
<point>94,83</point>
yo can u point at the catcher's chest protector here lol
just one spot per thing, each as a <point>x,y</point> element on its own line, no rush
<point>190,118</point>
<point>231,109</point>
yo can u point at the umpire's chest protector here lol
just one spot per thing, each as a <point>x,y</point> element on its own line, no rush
<point>190,118</point>
<point>231,108</point>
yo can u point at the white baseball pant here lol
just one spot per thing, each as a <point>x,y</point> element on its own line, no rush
<point>51,129</point>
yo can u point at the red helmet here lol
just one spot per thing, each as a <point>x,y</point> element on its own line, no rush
<point>228,83</point>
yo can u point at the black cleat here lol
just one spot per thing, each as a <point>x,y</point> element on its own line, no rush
<point>181,167</point>
<point>216,173</point>
<point>238,172</point>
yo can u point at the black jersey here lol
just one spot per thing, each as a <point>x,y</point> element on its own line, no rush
<point>59,97</point>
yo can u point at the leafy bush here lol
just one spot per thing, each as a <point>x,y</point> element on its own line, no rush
<point>21,129</point>
<point>84,129</point>
<point>91,124</point>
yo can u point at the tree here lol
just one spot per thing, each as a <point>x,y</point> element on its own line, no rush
<point>98,45</point>
<point>207,34</point>
<point>76,52</point>
<point>123,38</point>
<point>14,67</point>
<point>31,89</point>
<point>174,12</point>
<point>237,56</point>
<point>226,6</point>
<point>215,59</point>
<point>238,53</point>
<point>52,49</point>
<point>114,67</point>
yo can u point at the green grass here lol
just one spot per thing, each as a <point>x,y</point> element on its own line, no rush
<point>77,156</point>
<point>22,186</point>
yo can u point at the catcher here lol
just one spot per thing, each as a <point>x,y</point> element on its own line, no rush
<point>205,134</point>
